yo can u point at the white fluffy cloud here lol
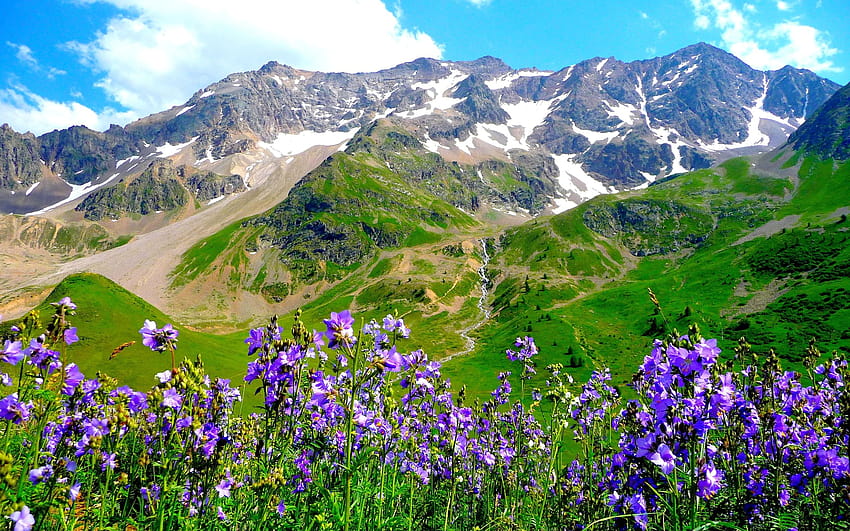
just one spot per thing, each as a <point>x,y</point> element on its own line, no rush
<point>29,112</point>
<point>786,43</point>
<point>167,49</point>
<point>159,52</point>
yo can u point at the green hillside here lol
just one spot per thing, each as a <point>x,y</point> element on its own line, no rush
<point>108,315</point>
<point>739,252</point>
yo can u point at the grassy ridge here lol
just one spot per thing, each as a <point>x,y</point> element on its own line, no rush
<point>108,315</point>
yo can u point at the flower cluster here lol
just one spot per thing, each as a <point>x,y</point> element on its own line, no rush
<point>362,430</point>
<point>733,446</point>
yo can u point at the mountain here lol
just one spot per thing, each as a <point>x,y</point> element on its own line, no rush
<point>422,209</point>
<point>827,133</point>
<point>603,124</point>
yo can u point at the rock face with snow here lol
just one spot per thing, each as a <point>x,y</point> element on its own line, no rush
<point>827,133</point>
<point>598,126</point>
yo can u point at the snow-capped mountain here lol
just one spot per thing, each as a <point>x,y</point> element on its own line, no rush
<point>601,125</point>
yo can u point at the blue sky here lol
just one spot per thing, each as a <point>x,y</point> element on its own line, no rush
<point>96,62</point>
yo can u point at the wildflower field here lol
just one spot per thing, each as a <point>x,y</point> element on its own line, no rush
<point>358,431</point>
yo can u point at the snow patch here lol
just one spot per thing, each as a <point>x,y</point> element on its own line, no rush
<point>432,145</point>
<point>601,64</point>
<point>124,161</point>
<point>596,136</point>
<point>167,150</point>
<point>755,137</point>
<point>215,200</point>
<point>184,109</point>
<point>207,93</point>
<point>562,204</point>
<point>32,187</point>
<point>573,178</point>
<point>507,80</point>
<point>436,90</point>
<point>623,111</point>
<point>289,144</point>
<point>528,115</point>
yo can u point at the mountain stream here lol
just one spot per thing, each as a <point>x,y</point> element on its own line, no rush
<point>484,282</point>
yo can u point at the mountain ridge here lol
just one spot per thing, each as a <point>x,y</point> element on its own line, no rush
<point>606,123</point>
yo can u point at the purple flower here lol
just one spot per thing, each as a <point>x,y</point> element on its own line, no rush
<point>74,491</point>
<point>65,302</point>
<point>392,361</point>
<point>108,461</point>
<point>13,409</point>
<point>340,331</point>
<point>527,349</point>
<point>664,458</point>
<point>70,335</point>
<point>254,340</point>
<point>223,488</point>
<point>710,481</point>
<point>37,475</point>
<point>158,339</point>
<point>171,398</point>
<point>73,377</point>
<point>24,520</point>
<point>12,352</point>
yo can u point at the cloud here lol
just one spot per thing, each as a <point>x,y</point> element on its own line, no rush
<point>786,43</point>
<point>479,3</point>
<point>159,52</point>
<point>26,111</point>
<point>654,24</point>
<point>25,55</point>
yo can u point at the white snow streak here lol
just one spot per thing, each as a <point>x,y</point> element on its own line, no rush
<point>507,80</point>
<point>436,90</point>
<point>288,145</point>
<point>528,115</point>
<point>77,191</point>
<point>32,187</point>
<point>623,111</point>
<point>573,178</point>
<point>184,109</point>
<point>596,136</point>
<point>755,137</point>
<point>166,150</point>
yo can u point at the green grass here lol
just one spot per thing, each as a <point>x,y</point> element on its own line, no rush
<point>108,315</point>
<point>200,256</point>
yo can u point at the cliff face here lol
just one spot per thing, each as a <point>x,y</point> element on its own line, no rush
<point>19,160</point>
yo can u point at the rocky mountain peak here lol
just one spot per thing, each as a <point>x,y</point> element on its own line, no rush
<point>603,123</point>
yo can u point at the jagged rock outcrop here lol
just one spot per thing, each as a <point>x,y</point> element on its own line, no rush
<point>155,190</point>
<point>19,160</point>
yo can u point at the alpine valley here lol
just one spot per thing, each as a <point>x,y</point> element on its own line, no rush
<point>477,201</point>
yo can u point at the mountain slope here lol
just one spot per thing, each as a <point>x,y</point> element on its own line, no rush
<point>827,133</point>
